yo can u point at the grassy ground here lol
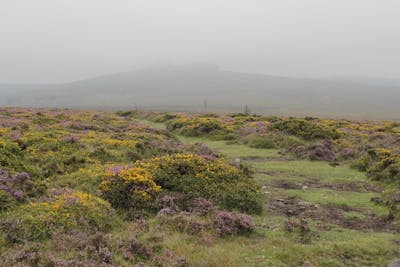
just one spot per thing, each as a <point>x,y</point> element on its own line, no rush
<point>343,227</point>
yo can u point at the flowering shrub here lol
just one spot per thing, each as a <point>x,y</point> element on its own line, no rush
<point>204,126</point>
<point>7,200</point>
<point>307,129</point>
<point>75,248</point>
<point>190,175</point>
<point>11,156</point>
<point>164,117</point>
<point>129,188</point>
<point>228,223</point>
<point>17,186</point>
<point>66,211</point>
<point>195,176</point>
<point>185,222</point>
<point>386,169</point>
<point>207,220</point>
<point>317,151</point>
<point>202,206</point>
<point>372,157</point>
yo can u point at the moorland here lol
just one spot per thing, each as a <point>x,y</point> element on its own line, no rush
<point>140,188</point>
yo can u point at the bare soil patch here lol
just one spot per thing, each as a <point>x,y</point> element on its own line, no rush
<point>331,215</point>
<point>313,183</point>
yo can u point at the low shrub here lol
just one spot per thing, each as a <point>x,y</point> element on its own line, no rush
<point>380,164</point>
<point>202,206</point>
<point>164,117</point>
<point>11,156</point>
<point>205,126</point>
<point>262,142</point>
<point>74,248</point>
<point>190,176</point>
<point>319,151</point>
<point>195,176</point>
<point>186,223</point>
<point>306,129</point>
<point>229,223</point>
<point>7,200</point>
<point>129,188</point>
<point>272,141</point>
<point>18,186</point>
<point>68,210</point>
<point>387,169</point>
<point>205,219</point>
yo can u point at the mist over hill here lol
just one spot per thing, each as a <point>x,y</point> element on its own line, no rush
<point>186,87</point>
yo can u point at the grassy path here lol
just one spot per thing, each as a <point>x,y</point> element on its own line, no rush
<point>315,215</point>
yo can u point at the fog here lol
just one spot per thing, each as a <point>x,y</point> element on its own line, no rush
<point>54,41</point>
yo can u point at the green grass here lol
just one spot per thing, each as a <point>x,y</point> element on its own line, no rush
<point>337,247</point>
<point>271,245</point>
<point>340,198</point>
<point>312,169</point>
<point>235,150</point>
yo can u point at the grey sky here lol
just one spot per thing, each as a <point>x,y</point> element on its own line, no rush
<point>64,40</point>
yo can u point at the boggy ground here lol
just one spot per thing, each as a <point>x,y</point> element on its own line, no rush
<point>315,214</point>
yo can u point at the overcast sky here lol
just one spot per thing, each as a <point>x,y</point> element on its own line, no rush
<point>64,40</point>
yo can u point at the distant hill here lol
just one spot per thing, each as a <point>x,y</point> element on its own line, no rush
<point>186,87</point>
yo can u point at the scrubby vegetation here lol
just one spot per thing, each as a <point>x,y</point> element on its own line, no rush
<point>85,188</point>
<point>65,173</point>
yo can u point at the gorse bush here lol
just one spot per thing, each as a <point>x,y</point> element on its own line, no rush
<point>11,156</point>
<point>129,188</point>
<point>386,167</point>
<point>191,176</point>
<point>261,142</point>
<point>195,176</point>
<point>164,117</point>
<point>306,129</point>
<point>68,210</point>
<point>203,126</point>
<point>371,157</point>
<point>7,200</point>
<point>268,141</point>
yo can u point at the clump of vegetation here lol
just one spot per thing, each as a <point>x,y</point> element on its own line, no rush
<point>380,164</point>
<point>203,218</point>
<point>18,186</point>
<point>301,228</point>
<point>228,223</point>
<point>318,151</point>
<point>200,126</point>
<point>370,157</point>
<point>67,210</point>
<point>11,156</point>
<point>306,129</point>
<point>195,176</point>
<point>387,167</point>
<point>268,141</point>
<point>173,199</point>
<point>129,188</point>
<point>190,175</point>
<point>7,200</point>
